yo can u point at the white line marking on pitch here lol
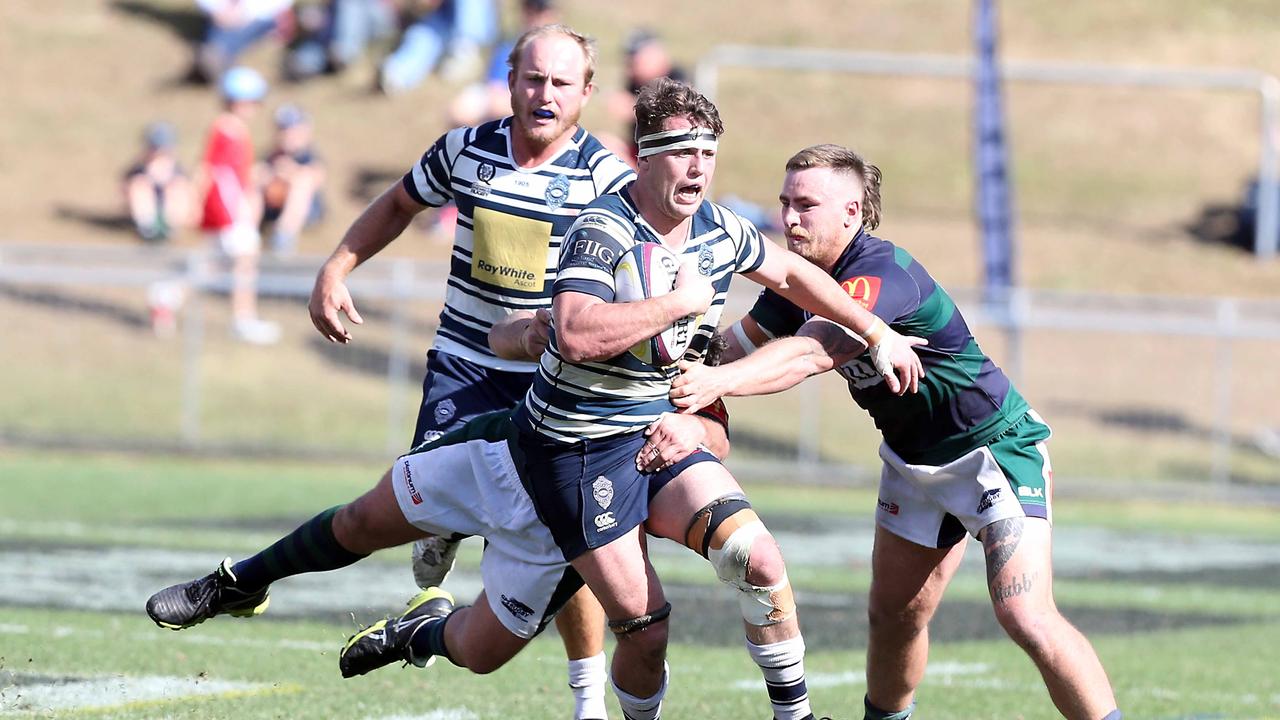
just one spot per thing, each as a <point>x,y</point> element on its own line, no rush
<point>443,714</point>
<point>63,631</point>
<point>40,693</point>
<point>945,672</point>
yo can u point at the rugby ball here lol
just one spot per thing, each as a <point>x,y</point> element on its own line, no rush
<point>648,270</point>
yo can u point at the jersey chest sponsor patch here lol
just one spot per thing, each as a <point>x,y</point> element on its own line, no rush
<point>864,289</point>
<point>509,252</point>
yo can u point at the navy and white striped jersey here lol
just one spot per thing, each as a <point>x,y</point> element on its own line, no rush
<point>574,401</point>
<point>511,221</point>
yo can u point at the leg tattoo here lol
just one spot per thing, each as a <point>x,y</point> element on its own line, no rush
<point>1000,541</point>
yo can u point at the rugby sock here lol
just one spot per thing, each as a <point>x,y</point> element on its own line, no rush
<point>650,708</point>
<point>783,666</point>
<point>875,713</point>
<point>310,548</point>
<point>428,639</point>
<point>1114,715</point>
<point>586,679</point>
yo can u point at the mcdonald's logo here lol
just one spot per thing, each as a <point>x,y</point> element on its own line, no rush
<point>864,289</point>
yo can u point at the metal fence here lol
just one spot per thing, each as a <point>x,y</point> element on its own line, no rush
<point>1267,87</point>
<point>1137,387</point>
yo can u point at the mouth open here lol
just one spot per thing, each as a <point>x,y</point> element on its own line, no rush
<point>544,114</point>
<point>689,193</point>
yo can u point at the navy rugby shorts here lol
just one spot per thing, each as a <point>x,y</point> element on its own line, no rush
<point>456,390</point>
<point>589,493</point>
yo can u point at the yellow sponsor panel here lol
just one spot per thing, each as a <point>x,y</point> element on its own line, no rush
<point>510,252</point>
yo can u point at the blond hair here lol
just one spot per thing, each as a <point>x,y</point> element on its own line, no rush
<point>587,44</point>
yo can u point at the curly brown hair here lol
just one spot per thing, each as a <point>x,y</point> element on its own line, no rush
<point>666,98</point>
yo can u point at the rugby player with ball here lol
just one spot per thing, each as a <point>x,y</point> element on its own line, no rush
<point>603,379</point>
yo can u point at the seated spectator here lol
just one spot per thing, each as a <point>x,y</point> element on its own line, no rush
<point>232,209</point>
<point>292,179</point>
<point>451,34</point>
<point>157,191</point>
<point>335,34</point>
<point>490,98</point>
<point>647,59</point>
<point>232,27</point>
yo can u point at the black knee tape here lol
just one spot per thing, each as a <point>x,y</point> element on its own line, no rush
<point>715,512</point>
<point>626,627</point>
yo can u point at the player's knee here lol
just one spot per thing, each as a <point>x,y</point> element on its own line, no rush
<point>730,535</point>
<point>904,621</point>
<point>483,663</point>
<point>1030,629</point>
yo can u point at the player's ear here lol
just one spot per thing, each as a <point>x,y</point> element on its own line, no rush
<point>853,214</point>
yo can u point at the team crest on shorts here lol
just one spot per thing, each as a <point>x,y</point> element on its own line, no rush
<point>557,191</point>
<point>444,410</point>
<point>602,491</point>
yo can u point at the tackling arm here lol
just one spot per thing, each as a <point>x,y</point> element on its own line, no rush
<point>809,287</point>
<point>817,347</point>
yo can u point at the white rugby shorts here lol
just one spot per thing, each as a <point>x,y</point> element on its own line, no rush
<point>469,485</point>
<point>974,489</point>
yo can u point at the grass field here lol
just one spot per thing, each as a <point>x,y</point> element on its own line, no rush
<point>1181,598</point>
<point>1181,601</point>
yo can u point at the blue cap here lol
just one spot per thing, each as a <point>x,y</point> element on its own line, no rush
<point>243,84</point>
<point>159,135</point>
<point>289,115</point>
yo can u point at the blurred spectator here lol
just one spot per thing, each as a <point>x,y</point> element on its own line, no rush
<point>232,208</point>
<point>157,191</point>
<point>335,34</point>
<point>232,27</point>
<point>490,98</point>
<point>449,33</point>
<point>292,179</point>
<point>647,59</point>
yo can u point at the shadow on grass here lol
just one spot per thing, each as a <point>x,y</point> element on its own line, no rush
<point>112,222</point>
<point>128,316</point>
<point>188,23</point>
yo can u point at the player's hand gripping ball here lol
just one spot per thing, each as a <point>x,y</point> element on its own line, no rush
<point>648,270</point>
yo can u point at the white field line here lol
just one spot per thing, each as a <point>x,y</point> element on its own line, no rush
<point>442,714</point>
<point>119,691</point>
<point>1075,548</point>
<point>59,632</point>
<point>946,672</point>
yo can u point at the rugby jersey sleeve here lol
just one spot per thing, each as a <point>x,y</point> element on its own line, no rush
<point>430,180</point>
<point>591,248</point>
<point>747,240</point>
<point>775,315</point>
<point>609,172</point>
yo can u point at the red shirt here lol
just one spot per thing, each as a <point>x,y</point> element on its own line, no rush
<point>228,160</point>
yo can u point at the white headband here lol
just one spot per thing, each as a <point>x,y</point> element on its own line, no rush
<point>682,139</point>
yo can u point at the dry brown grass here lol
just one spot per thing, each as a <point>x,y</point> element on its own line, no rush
<point>1107,180</point>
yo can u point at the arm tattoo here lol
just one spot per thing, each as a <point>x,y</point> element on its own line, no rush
<point>1000,541</point>
<point>834,339</point>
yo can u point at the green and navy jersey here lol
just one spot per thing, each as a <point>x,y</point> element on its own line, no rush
<point>511,221</point>
<point>574,401</point>
<point>965,400</point>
